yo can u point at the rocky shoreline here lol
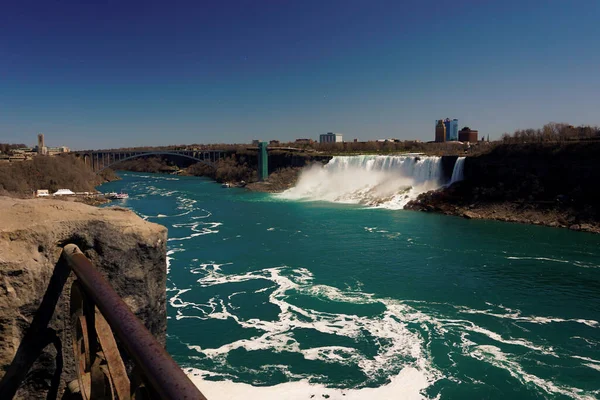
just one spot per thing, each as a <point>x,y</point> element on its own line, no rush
<point>278,181</point>
<point>449,201</point>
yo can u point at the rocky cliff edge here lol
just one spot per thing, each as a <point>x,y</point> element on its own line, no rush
<point>128,251</point>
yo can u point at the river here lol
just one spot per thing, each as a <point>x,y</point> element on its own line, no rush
<point>273,296</point>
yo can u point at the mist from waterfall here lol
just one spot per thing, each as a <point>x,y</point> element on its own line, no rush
<point>381,181</point>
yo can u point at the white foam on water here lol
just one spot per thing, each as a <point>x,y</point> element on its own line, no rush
<point>494,356</point>
<point>593,366</point>
<point>515,315</point>
<point>208,267</point>
<point>155,177</point>
<point>471,327</point>
<point>587,340</point>
<point>408,384</point>
<point>572,262</point>
<point>199,229</point>
<point>169,216</point>
<point>169,253</point>
<point>207,214</point>
<point>176,302</point>
<point>401,351</point>
<point>399,347</point>
<point>587,359</point>
<point>344,296</point>
<point>376,181</point>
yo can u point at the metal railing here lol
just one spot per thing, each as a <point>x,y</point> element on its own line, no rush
<point>97,312</point>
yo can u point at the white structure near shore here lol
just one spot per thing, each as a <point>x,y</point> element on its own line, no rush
<point>64,192</point>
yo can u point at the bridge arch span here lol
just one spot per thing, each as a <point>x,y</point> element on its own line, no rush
<point>157,153</point>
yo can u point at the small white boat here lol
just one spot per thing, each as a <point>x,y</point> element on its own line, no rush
<point>121,196</point>
<point>117,196</point>
<point>226,185</point>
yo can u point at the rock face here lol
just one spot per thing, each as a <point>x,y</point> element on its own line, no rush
<point>543,184</point>
<point>129,252</point>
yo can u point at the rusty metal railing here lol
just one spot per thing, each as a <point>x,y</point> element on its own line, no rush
<point>96,312</point>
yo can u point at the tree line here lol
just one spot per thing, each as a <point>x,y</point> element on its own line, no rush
<point>553,132</point>
<point>7,148</point>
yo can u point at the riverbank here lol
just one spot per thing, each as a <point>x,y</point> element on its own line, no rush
<point>279,181</point>
<point>450,201</point>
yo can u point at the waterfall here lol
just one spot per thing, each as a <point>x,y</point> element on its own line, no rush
<point>458,172</point>
<point>381,181</point>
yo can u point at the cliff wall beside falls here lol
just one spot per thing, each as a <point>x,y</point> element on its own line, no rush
<point>128,251</point>
<point>554,184</point>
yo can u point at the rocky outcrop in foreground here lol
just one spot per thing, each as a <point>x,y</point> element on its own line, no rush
<point>129,252</point>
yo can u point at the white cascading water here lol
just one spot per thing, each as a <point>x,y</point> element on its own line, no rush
<point>381,181</point>
<point>458,172</point>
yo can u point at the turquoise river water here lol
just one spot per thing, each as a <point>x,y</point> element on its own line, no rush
<point>278,298</point>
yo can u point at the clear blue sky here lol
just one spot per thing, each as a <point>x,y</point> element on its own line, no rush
<point>152,73</point>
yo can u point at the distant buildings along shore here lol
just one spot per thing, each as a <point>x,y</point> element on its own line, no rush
<point>446,130</point>
<point>25,153</point>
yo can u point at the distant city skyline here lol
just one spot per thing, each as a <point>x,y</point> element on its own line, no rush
<point>155,73</point>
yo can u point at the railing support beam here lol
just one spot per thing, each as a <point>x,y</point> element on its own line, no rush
<point>161,372</point>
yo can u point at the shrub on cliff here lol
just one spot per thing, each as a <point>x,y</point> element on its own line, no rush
<point>230,169</point>
<point>553,132</point>
<point>285,178</point>
<point>201,169</point>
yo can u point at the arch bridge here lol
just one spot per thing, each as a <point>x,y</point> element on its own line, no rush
<point>99,160</point>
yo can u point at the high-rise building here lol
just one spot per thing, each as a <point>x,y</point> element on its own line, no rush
<point>41,146</point>
<point>466,134</point>
<point>331,137</point>
<point>451,129</point>
<point>440,131</point>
